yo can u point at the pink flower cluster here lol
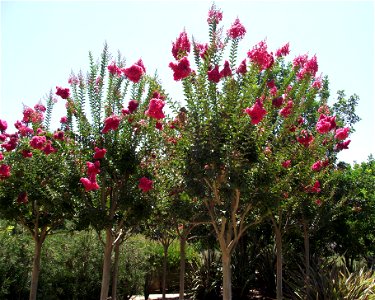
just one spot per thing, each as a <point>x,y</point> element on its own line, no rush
<point>307,66</point>
<point>133,73</point>
<point>237,30</point>
<point>260,56</point>
<point>214,15</point>
<point>99,153</point>
<point>63,92</point>
<point>181,69</point>
<point>111,123</point>
<point>305,138</point>
<point>315,188</point>
<point>3,125</point>
<point>41,143</point>
<point>4,171</point>
<point>287,109</point>
<point>286,164</point>
<point>325,124</point>
<point>155,109</point>
<point>181,47</point>
<point>283,51</point>
<point>242,68</point>
<point>132,107</point>
<point>145,184</point>
<point>90,183</point>
<point>256,112</point>
<point>320,164</point>
<point>33,116</point>
<point>342,133</point>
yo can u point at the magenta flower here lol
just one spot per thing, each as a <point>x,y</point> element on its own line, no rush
<point>89,185</point>
<point>287,110</point>
<point>27,153</point>
<point>317,166</point>
<point>242,69</point>
<point>202,49</point>
<point>283,51</point>
<point>48,149</point>
<point>1,156</point>
<point>3,125</point>
<point>40,107</point>
<point>58,135</point>
<point>325,124</point>
<point>342,133</point>
<point>64,120</point>
<point>226,71</point>
<point>11,144</point>
<point>286,164</point>
<point>99,153</point>
<point>38,142</point>
<point>214,74</point>
<point>256,112</point>
<point>214,15</point>
<point>111,123</point>
<point>180,70</point>
<point>237,30</point>
<point>140,63</point>
<point>145,184</point>
<point>305,138</point>
<point>155,109</point>
<point>316,188</point>
<point>342,145</point>
<point>159,125</point>
<point>63,93</point>
<point>277,102</point>
<point>113,69</point>
<point>132,106</point>
<point>181,47</point>
<point>134,72</point>
<point>300,60</point>
<point>310,67</point>
<point>259,56</point>
<point>4,171</point>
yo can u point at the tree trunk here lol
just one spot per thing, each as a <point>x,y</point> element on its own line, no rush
<point>115,270</point>
<point>182,266</point>
<point>227,272</point>
<point>165,246</point>
<point>36,266</point>
<point>306,241</point>
<point>107,262</point>
<point>279,264</point>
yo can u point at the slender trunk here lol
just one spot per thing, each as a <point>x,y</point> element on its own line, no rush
<point>115,270</point>
<point>227,272</point>
<point>182,266</point>
<point>107,262</point>
<point>279,264</point>
<point>36,266</point>
<point>306,241</point>
<point>165,246</point>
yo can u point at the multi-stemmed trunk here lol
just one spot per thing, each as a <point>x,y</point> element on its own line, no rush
<point>306,241</point>
<point>116,250</point>
<point>227,275</point>
<point>279,264</point>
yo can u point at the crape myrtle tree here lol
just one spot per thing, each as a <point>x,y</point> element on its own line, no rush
<point>252,131</point>
<point>124,112</point>
<point>38,178</point>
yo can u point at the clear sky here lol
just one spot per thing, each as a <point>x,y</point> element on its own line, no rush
<point>43,41</point>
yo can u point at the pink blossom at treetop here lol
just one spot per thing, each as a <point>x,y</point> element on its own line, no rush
<point>111,123</point>
<point>237,30</point>
<point>3,125</point>
<point>305,138</point>
<point>260,56</point>
<point>11,144</point>
<point>180,70</point>
<point>99,153</point>
<point>310,68</point>
<point>283,51</point>
<point>202,49</point>
<point>134,72</point>
<point>48,148</point>
<point>139,62</point>
<point>300,60</point>
<point>242,68</point>
<point>40,107</point>
<point>63,92</point>
<point>4,171</point>
<point>155,109</point>
<point>181,47</point>
<point>342,133</point>
<point>316,188</point>
<point>58,135</point>
<point>32,116</point>
<point>114,69</point>
<point>214,15</point>
<point>317,84</point>
<point>38,142</point>
<point>64,120</point>
<point>145,184</point>
<point>226,71</point>
<point>325,124</point>
<point>256,112</point>
<point>214,74</point>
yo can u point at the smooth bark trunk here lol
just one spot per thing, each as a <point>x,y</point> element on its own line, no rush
<point>182,266</point>
<point>36,267</point>
<point>115,270</point>
<point>164,281</point>
<point>227,275</point>
<point>279,264</point>
<point>107,262</point>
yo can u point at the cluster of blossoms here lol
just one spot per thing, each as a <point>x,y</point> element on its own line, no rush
<point>306,66</point>
<point>133,73</point>
<point>260,56</point>
<point>237,30</point>
<point>90,183</point>
<point>256,112</point>
<point>319,165</point>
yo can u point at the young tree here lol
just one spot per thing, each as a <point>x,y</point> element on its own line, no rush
<point>38,178</point>
<point>235,165</point>
<point>114,144</point>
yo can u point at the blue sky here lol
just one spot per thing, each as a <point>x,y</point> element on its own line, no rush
<point>42,42</point>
